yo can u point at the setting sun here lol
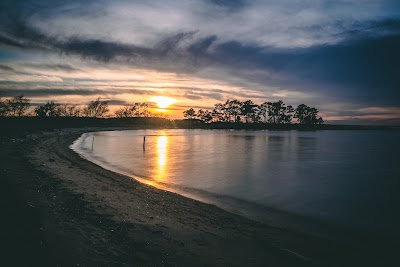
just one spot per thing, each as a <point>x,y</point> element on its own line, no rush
<point>163,101</point>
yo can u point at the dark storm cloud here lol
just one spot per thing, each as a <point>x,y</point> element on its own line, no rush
<point>212,93</point>
<point>44,92</point>
<point>200,47</point>
<point>16,32</point>
<point>360,69</point>
<point>370,28</point>
<point>6,68</point>
<point>362,66</point>
<point>117,102</point>
<point>27,90</point>
<point>368,66</point>
<point>48,92</point>
<point>111,102</point>
<point>5,40</point>
<point>172,42</point>
<point>100,50</point>
<point>201,95</point>
<point>27,37</point>
<point>59,67</point>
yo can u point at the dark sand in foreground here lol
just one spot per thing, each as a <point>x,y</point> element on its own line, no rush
<point>59,209</point>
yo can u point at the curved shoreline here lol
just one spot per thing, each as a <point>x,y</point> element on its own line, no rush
<point>126,222</point>
<point>253,211</point>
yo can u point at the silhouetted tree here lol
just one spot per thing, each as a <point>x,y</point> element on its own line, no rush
<point>135,110</point>
<point>70,110</point>
<point>50,109</point>
<point>18,105</point>
<point>272,112</point>
<point>140,110</point>
<point>278,112</point>
<point>289,114</point>
<point>124,112</point>
<point>307,115</point>
<point>232,110</point>
<point>218,113</point>
<point>96,109</point>
<point>249,111</point>
<point>204,115</point>
<point>262,111</point>
<point>189,114</point>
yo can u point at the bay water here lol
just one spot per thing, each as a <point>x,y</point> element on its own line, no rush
<point>347,178</point>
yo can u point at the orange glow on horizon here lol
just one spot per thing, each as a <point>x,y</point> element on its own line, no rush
<point>160,110</point>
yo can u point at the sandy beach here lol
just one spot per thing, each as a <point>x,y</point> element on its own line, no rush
<point>60,209</point>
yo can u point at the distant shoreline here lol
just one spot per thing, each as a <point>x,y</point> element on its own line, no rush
<point>19,125</point>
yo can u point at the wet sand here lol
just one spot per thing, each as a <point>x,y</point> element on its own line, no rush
<point>61,209</point>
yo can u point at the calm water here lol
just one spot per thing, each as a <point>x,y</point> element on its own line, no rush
<point>344,177</point>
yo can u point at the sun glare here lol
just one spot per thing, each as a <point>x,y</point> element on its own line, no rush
<point>163,101</point>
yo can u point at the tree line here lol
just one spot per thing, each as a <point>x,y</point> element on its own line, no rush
<point>246,111</point>
<point>230,111</point>
<point>18,106</point>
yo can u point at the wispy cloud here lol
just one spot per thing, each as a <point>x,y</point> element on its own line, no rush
<point>322,51</point>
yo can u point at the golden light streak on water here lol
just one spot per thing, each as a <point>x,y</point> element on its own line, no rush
<point>162,148</point>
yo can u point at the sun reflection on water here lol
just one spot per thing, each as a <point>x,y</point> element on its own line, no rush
<point>162,146</point>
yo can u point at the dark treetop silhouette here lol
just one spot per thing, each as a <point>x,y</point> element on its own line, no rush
<point>247,111</point>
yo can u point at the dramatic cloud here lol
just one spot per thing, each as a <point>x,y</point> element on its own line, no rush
<point>341,55</point>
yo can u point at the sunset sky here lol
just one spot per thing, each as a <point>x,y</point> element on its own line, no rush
<point>342,57</point>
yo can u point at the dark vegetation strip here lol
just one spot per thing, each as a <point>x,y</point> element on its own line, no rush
<point>10,126</point>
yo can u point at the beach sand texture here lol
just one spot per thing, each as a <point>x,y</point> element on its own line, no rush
<point>62,209</point>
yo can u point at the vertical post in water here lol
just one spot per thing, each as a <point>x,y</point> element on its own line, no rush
<point>144,142</point>
<point>92,142</point>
